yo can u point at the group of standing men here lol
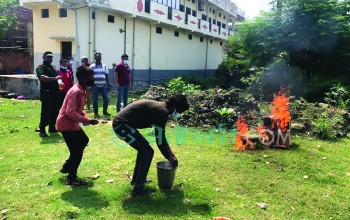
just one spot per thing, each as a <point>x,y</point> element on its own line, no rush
<point>52,94</point>
<point>138,115</point>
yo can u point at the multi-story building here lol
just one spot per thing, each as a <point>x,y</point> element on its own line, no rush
<point>163,38</point>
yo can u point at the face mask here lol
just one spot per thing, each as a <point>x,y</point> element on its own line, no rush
<point>175,115</point>
<point>90,82</point>
<point>125,62</point>
<point>63,67</point>
<point>71,62</point>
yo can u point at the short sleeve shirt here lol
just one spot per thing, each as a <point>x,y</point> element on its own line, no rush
<point>123,74</point>
<point>49,71</point>
<point>100,72</point>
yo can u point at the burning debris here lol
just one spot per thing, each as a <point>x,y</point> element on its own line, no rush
<point>275,132</point>
<point>242,140</point>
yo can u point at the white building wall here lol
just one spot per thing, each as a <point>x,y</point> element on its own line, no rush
<point>215,54</point>
<point>149,52</point>
<point>44,28</point>
<point>142,45</point>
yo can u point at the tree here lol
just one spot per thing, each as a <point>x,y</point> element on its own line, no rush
<point>7,20</point>
<point>311,35</point>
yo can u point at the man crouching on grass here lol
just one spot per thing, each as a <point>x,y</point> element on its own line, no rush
<point>144,114</point>
<point>71,114</point>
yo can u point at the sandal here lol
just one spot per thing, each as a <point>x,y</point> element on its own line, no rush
<point>76,182</point>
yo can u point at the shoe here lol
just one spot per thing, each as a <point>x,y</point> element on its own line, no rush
<point>96,116</point>
<point>141,191</point>
<point>76,182</point>
<point>52,130</point>
<point>147,181</point>
<point>37,129</point>
<point>43,134</point>
<point>64,169</point>
<point>106,114</point>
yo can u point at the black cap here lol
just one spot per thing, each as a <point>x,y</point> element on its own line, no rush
<point>125,56</point>
<point>48,54</point>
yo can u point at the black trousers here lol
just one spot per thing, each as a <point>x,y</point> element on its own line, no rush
<point>144,151</point>
<point>76,142</point>
<point>61,97</point>
<point>49,110</point>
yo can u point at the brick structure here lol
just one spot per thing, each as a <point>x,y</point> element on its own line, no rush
<point>16,45</point>
<point>14,58</point>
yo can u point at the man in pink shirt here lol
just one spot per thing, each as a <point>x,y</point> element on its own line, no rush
<point>71,114</point>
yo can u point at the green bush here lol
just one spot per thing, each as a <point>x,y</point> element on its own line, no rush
<point>319,119</point>
<point>327,126</point>
<point>338,96</point>
<point>178,85</point>
<point>318,86</point>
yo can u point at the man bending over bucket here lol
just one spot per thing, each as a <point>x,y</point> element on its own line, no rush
<point>145,114</point>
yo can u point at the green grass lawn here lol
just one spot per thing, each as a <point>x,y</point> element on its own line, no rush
<point>217,180</point>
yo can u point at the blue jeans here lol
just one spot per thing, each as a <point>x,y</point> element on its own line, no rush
<point>123,93</point>
<point>104,92</point>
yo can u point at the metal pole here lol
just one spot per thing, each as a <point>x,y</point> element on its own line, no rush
<point>150,54</point>
<point>133,54</point>
<point>76,39</point>
<point>124,36</point>
<point>206,59</point>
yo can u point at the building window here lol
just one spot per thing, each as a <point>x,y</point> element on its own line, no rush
<point>159,30</point>
<point>223,25</point>
<point>93,15</point>
<point>176,33</point>
<point>170,3</point>
<point>214,21</point>
<point>219,15</point>
<point>204,17</point>
<point>194,1</point>
<point>188,11</point>
<point>201,39</point>
<point>182,8</point>
<point>225,17</point>
<point>211,41</point>
<point>63,13</point>
<point>220,43</point>
<point>209,9</point>
<point>213,11</point>
<point>110,18</point>
<point>194,13</point>
<point>190,36</point>
<point>44,13</point>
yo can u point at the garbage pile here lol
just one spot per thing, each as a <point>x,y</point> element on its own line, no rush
<point>212,108</point>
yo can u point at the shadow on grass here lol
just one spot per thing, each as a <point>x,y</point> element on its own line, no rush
<point>84,197</point>
<point>167,203</point>
<point>52,139</point>
<point>294,146</point>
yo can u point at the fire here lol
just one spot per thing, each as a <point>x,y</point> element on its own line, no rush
<point>242,141</point>
<point>261,132</point>
<point>280,113</point>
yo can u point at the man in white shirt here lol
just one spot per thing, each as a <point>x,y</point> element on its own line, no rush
<point>101,84</point>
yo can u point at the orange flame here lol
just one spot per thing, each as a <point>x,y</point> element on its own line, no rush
<point>280,112</point>
<point>242,141</point>
<point>261,132</point>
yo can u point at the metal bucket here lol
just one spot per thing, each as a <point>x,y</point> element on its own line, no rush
<point>166,175</point>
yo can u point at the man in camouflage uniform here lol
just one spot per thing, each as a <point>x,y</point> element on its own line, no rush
<point>49,90</point>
